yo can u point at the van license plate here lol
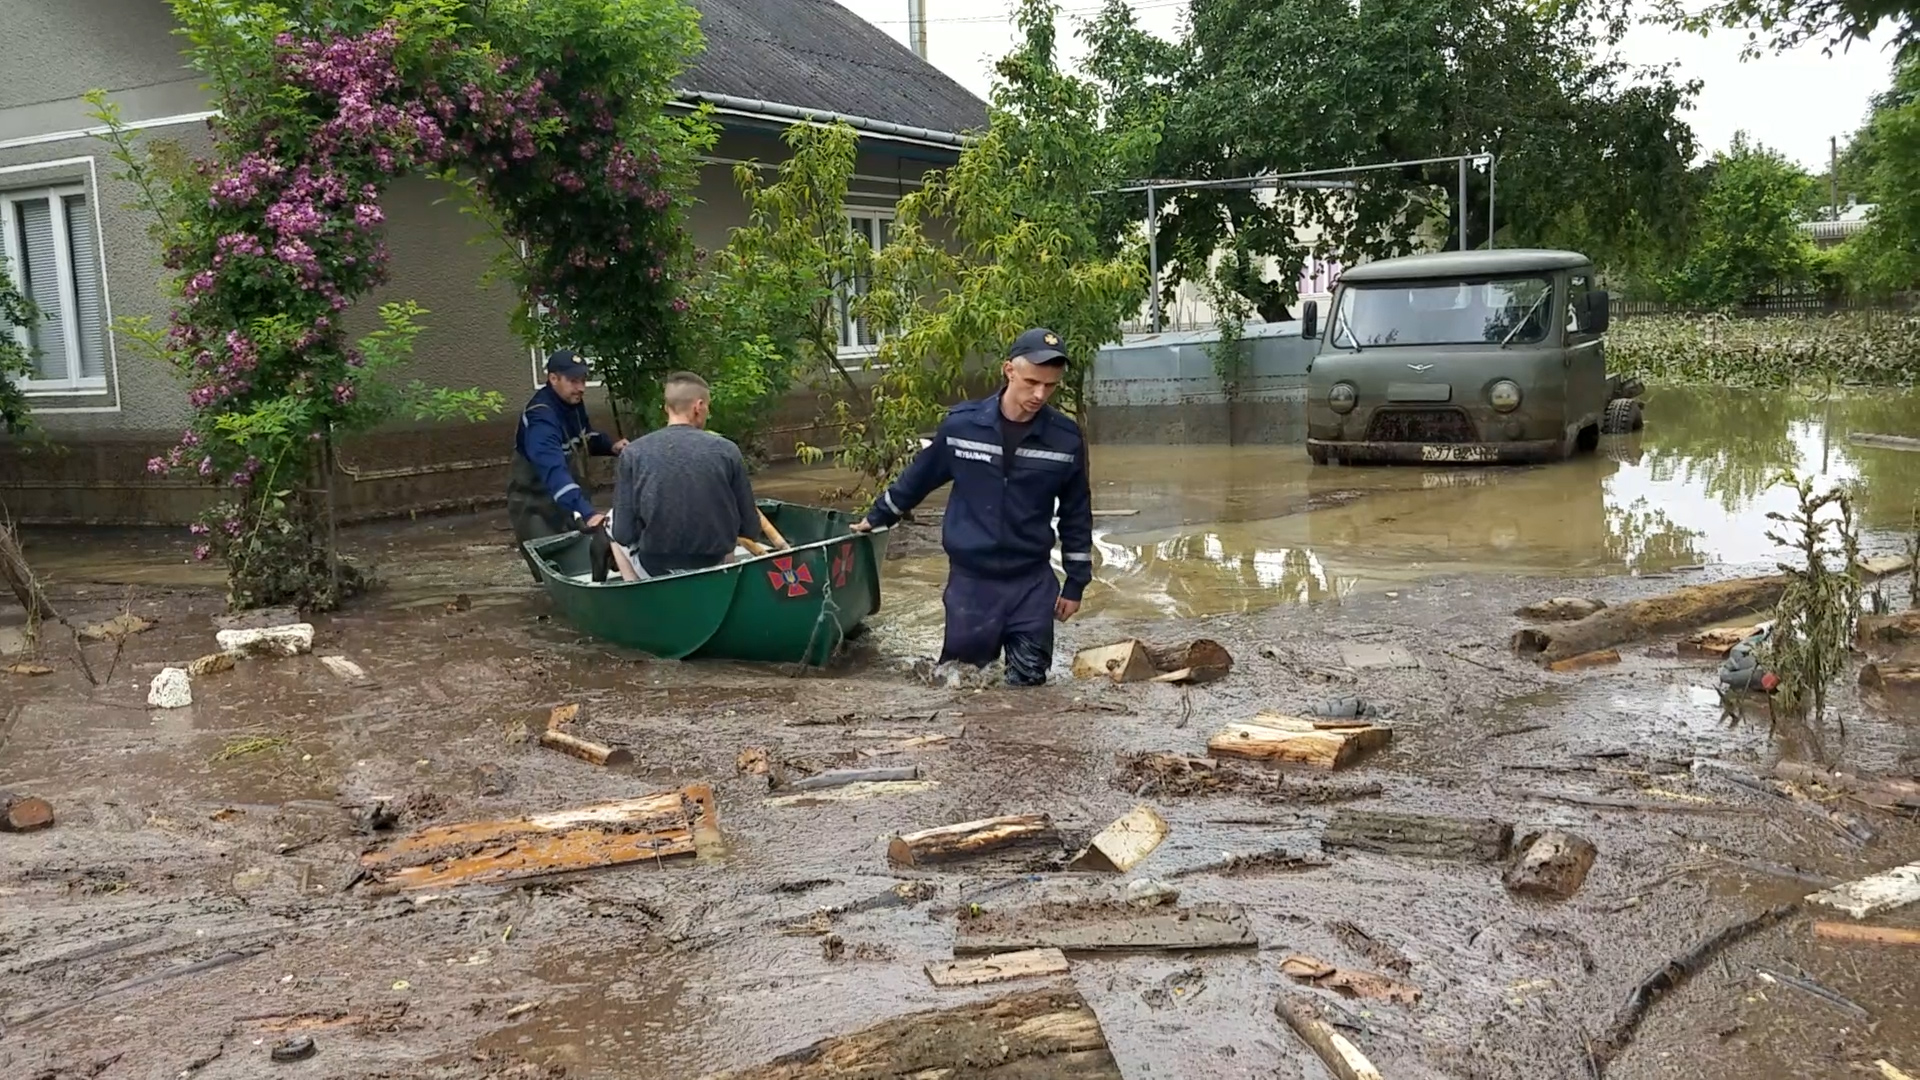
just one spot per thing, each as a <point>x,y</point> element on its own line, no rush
<point>1462,454</point>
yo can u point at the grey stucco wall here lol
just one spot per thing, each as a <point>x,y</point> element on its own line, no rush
<point>53,51</point>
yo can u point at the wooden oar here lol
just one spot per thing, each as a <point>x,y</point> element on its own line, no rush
<point>753,546</point>
<point>773,534</point>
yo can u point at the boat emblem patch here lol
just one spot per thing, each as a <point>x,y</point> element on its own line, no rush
<point>794,579</point>
<point>842,565</point>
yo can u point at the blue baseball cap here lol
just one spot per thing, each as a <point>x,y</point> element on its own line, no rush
<point>1039,346</point>
<point>563,362</point>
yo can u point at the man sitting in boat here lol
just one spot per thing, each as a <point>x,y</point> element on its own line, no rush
<point>682,499</point>
<point>1012,458</point>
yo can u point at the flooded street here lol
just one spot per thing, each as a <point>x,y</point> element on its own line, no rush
<point>199,899</point>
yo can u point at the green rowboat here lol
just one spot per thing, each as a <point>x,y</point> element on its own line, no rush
<point>792,605</point>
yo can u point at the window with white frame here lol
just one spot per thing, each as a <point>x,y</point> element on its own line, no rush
<point>52,254</point>
<point>857,335</point>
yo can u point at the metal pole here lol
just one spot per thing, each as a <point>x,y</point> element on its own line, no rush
<point>1493,164</point>
<point>1833,175</point>
<point>917,27</point>
<point>1184,185</point>
<point>1463,203</point>
<point>1153,258</point>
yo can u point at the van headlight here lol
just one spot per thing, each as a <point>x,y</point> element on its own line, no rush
<point>1505,395</point>
<point>1342,397</point>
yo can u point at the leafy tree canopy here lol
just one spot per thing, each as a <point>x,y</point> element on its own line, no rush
<point>1593,153</point>
<point>1886,153</point>
<point>1786,24</point>
<point>1747,238</point>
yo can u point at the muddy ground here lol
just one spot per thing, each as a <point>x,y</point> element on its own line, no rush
<point>193,904</point>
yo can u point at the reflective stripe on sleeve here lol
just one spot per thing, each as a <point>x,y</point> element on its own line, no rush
<point>1044,455</point>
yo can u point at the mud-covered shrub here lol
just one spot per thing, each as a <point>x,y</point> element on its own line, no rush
<point>1866,348</point>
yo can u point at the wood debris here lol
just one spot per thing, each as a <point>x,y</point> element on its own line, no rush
<point>1717,642</point>
<point>1882,793</point>
<point>28,669</point>
<point>1884,676</point>
<point>1669,613</point>
<point>1002,967</point>
<point>652,828</point>
<point>1886,891</point>
<point>1324,744</point>
<point>1482,839</point>
<point>1199,661</point>
<point>1870,567</point>
<point>906,746</point>
<point>1375,950</point>
<point>210,664</point>
<point>124,625</point>
<point>24,813</point>
<point>1600,658</point>
<point>1093,927</point>
<point>752,761</point>
<point>1888,1072</point>
<point>1899,628</point>
<point>1048,1032</point>
<point>347,670</point>
<point>1551,863</point>
<point>1357,984</point>
<point>1560,609</point>
<point>1278,861</point>
<point>833,778</point>
<point>969,838</point>
<point>1122,662</point>
<point>562,715</point>
<point>1124,844</point>
<point>591,752</point>
<point>1343,1059</point>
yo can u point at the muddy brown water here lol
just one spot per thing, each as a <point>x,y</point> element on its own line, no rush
<point>167,853</point>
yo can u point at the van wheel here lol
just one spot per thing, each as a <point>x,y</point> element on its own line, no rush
<point>1318,454</point>
<point>1623,416</point>
<point>1587,441</point>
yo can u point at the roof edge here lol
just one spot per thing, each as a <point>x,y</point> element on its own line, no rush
<point>775,110</point>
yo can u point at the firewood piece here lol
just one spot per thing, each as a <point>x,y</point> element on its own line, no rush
<point>1343,1059</point>
<point>1884,891</point>
<point>651,828</point>
<point>1875,935</point>
<point>1050,1032</point>
<point>1715,643</point>
<point>1885,793</point>
<point>1551,863</point>
<point>1384,833</point>
<point>1085,927</point>
<point>1122,845</point>
<point>833,778</point>
<point>1889,1072</point>
<point>1600,658</point>
<point>1626,1020</point>
<point>586,751</point>
<point>1668,613</point>
<point>1898,628</point>
<point>1884,676</point>
<point>1199,661</point>
<point>24,813</point>
<point>969,838</point>
<point>1001,968</point>
<point>1289,738</point>
<point>210,664</point>
<point>562,715</point>
<point>1349,983</point>
<point>1122,662</point>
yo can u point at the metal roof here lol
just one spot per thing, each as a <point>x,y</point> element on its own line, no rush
<point>818,56</point>
<point>1453,264</point>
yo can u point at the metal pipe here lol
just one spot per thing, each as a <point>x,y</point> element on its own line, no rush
<point>1153,258</point>
<point>1181,185</point>
<point>1493,165</point>
<point>1463,204</point>
<point>777,110</point>
<point>917,27</point>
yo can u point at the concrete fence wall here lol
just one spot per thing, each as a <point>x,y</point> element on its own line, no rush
<point>1165,388</point>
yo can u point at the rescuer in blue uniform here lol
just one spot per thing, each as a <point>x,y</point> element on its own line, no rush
<point>545,492</point>
<point>1013,459</point>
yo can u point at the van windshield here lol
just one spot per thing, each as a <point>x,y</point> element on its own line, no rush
<point>1466,311</point>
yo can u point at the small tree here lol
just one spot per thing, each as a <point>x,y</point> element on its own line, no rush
<point>1885,256</point>
<point>1747,235</point>
<point>1813,624</point>
<point>16,311</point>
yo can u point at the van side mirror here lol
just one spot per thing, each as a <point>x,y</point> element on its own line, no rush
<point>1310,320</point>
<point>1598,313</point>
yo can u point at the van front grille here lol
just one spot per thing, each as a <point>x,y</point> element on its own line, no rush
<point>1421,426</point>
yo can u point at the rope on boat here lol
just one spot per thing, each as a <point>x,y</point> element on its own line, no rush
<point>829,614</point>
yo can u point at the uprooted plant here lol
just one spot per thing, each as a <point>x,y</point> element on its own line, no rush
<point>1813,624</point>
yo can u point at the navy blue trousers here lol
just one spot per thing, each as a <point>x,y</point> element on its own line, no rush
<point>986,616</point>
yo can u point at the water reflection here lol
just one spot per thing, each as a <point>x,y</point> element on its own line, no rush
<point>1223,529</point>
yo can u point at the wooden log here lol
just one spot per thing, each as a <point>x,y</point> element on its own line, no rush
<point>1551,864</point>
<point>1122,845</point>
<point>1042,1033</point>
<point>24,813</point>
<point>651,828</point>
<point>1343,1059</point>
<point>1887,676</point>
<point>1898,628</point>
<point>1586,660</point>
<point>1668,613</point>
<point>1883,442</point>
<point>1561,609</point>
<point>1895,888</point>
<point>1885,793</point>
<point>1385,833</point>
<point>1123,662</point>
<point>833,778</point>
<point>1871,935</point>
<point>1102,928</point>
<point>586,751</point>
<point>1001,968</point>
<point>969,838</point>
<point>1273,737</point>
<point>1199,661</point>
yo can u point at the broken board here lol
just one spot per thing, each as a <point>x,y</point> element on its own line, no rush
<point>1361,656</point>
<point>1717,642</point>
<point>1895,888</point>
<point>651,828</point>
<point>999,968</point>
<point>1122,845</point>
<point>1273,737</point>
<point>1083,927</point>
<point>1387,833</point>
<point>1041,1033</point>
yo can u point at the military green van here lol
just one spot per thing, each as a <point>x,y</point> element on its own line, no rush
<point>1464,357</point>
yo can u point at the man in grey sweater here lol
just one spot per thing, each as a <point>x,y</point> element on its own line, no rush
<point>682,497</point>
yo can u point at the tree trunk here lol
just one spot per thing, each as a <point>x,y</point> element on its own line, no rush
<point>23,813</point>
<point>586,751</point>
<point>1384,833</point>
<point>969,838</point>
<point>1635,620</point>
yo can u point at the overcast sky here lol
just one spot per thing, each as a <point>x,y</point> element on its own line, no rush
<point>1792,103</point>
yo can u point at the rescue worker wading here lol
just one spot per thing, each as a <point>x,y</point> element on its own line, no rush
<point>544,491</point>
<point>1012,458</point>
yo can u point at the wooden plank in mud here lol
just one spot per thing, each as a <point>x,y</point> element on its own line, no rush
<point>1003,967</point>
<point>651,828</point>
<point>1385,833</point>
<point>1895,888</point>
<point>1273,737</point>
<point>1042,1033</point>
<point>1077,927</point>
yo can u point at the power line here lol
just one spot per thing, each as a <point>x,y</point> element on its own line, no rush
<point>1007,17</point>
